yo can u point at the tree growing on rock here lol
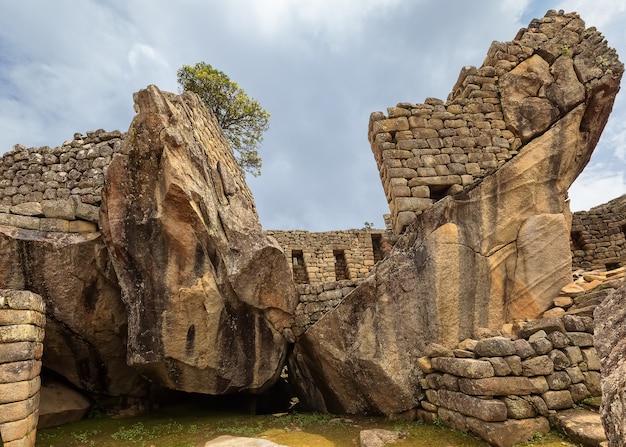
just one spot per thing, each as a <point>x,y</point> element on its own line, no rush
<point>242,118</point>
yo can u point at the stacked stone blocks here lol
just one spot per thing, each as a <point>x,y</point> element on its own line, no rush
<point>319,250</point>
<point>313,258</point>
<point>318,299</point>
<point>598,236</point>
<point>75,169</point>
<point>57,189</point>
<point>22,322</point>
<point>497,384</point>
<point>427,151</point>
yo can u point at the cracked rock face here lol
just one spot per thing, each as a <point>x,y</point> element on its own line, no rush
<point>493,253</point>
<point>610,341</point>
<point>208,295</point>
<point>85,318</point>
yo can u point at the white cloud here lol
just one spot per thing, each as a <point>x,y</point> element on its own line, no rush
<point>140,53</point>
<point>333,22</point>
<point>320,67</point>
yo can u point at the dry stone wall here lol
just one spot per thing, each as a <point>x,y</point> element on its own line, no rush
<point>598,238</point>
<point>318,299</point>
<point>497,385</point>
<point>331,256</point>
<point>22,322</point>
<point>427,151</point>
<point>327,266</point>
<point>430,150</point>
<point>73,170</point>
<point>57,189</point>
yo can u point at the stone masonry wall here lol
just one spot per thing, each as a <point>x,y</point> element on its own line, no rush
<point>318,299</point>
<point>331,256</point>
<point>327,266</point>
<point>497,385</point>
<point>598,238</point>
<point>22,321</point>
<point>74,170</point>
<point>427,151</point>
<point>57,189</point>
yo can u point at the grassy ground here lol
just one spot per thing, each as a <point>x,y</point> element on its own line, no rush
<point>192,427</point>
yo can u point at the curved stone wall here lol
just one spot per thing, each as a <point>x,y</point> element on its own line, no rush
<point>22,322</point>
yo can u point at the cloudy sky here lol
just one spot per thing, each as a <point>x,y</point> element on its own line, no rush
<point>320,67</point>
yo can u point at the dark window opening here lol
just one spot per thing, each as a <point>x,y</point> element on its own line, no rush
<point>623,229</point>
<point>300,275</point>
<point>341,266</point>
<point>377,247</point>
<point>438,192</point>
<point>611,265</point>
<point>577,240</point>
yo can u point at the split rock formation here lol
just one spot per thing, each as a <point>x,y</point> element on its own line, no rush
<point>495,252</point>
<point>148,253</point>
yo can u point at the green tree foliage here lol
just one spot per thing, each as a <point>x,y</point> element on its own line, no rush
<point>242,118</point>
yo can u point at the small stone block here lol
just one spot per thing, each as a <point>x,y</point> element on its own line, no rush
<point>537,366</point>
<point>490,410</point>
<point>81,226</point>
<point>470,368</point>
<point>496,386</point>
<point>582,339</point>
<point>558,400</point>
<point>54,225</point>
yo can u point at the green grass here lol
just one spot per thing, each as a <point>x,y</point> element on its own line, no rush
<point>190,426</point>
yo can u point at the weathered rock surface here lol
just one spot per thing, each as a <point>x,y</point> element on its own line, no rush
<point>237,441</point>
<point>86,319</point>
<point>208,295</point>
<point>377,437</point>
<point>580,426</point>
<point>610,342</point>
<point>510,432</point>
<point>60,404</point>
<point>493,253</point>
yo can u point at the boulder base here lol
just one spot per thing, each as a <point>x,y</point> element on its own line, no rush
<point>60,405</point>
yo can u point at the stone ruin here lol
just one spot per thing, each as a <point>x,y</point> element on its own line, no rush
<point>155,233</point>
<point>22,322</point>
<point>481,248</point>
<point>599,236</point>
<point>427,151</point>
<point>328,266</point>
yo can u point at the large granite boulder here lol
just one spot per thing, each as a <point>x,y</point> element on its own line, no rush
<point>86,319</point>
<point>496,252</point>
<point>209,296</point>
<point>610,341</point>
